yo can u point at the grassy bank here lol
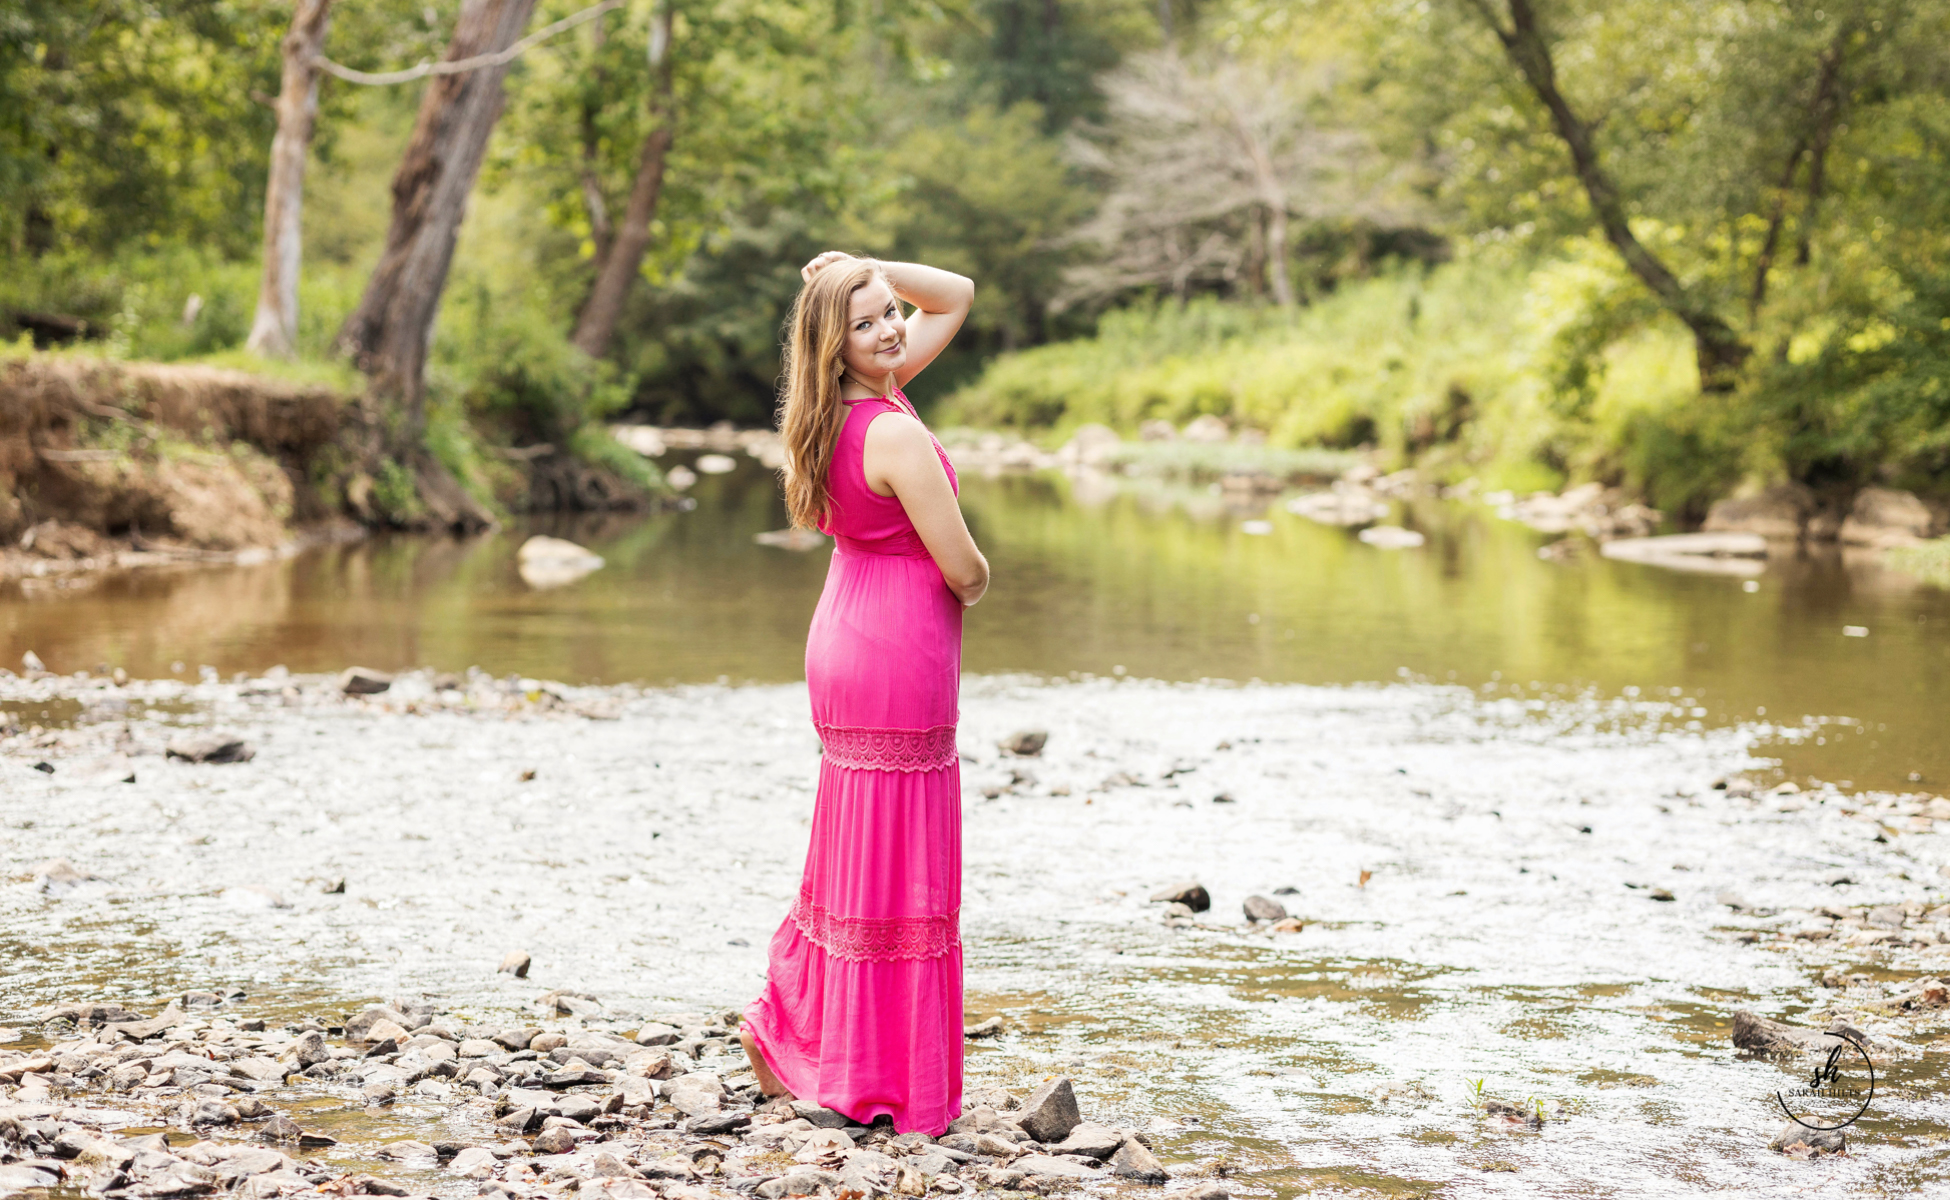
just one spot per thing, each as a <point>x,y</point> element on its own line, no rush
<point>1522,376</point>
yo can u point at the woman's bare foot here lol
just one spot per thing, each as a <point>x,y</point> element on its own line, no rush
<point>768,1083</point>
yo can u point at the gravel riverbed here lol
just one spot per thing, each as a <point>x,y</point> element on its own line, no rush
<point>1550,897</point>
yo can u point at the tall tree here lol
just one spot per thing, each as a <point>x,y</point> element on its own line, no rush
<point>388,334</point>
<point>1719,350</point>
<point>619,257</point>
<point>274,330</point>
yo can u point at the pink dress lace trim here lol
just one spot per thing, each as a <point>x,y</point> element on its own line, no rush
<point>876,939</point>
<point>866,749</point>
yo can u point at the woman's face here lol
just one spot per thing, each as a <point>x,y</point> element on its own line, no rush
<point>876,334</point>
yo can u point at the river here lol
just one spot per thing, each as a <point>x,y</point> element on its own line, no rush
<point>1151,583</point>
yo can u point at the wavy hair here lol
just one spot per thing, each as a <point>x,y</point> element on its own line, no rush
<point>810,410</point>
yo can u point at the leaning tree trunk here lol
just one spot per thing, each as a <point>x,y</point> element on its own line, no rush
<point>388,334</point>
<point>617,270</point>
<point>274,331</point>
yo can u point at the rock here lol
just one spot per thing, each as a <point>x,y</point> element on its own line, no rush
<point>580,1109</point>
<point>1757,1034</point>
<point>516,964</point>
<point>546,562</point>
<point>1391,537</point>
<point>518,1121</point>
<point>363,681</point>
<point>1885,518</point>
<point>656,1034</point>
<point>1924,993</point>
<point>1053,1167</point>
<point>717,1123</point>
<point>333,887</point>
<point>1264,908</point>
<point>1157,431</point>
<point>475,1162</point>
<point>554,1141</point>
<point>1133,1161</point>
<point>798,1183</point>
<point>31,661</point>
<point>1346,504</point>
<point>58,877</point>
<point>1191,895</point>
<point>1798,1141</point>
<point>210,748</point>
<point>1090,446</point>
<point>382,1030</point>
<point>1779,512</point>
<point>310,1049</point>
<point>478,1048</point>
<point>1090,1140</point>
<point>1208,1189</point>
<point>1025,743</point>
<point>565,1003</point>
<point>1692,551</point>
<point>359,1028</point>
<point>820,1117</point>
<point>1049,1113</point>
<point>1206,428</point>
<point>542,1043</point>
<point>984,1029</point>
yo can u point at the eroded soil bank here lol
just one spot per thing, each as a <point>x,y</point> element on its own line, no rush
<point>1551,899</point>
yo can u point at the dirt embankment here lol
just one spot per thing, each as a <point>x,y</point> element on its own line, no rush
<point>108,464</point>
<point>103,460</point>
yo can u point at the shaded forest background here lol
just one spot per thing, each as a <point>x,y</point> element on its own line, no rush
<point>1684,248</point>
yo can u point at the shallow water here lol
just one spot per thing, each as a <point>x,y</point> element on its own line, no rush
<point>650,857</point>
<point>1159,584</point>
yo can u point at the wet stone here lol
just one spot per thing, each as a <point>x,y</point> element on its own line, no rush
<point>1192,895</point>
<point>1133,1161</point>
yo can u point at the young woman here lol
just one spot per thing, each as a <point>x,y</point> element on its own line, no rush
<point>862,1007</point>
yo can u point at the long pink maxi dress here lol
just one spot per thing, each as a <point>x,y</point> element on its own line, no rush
<point>862,1006</point>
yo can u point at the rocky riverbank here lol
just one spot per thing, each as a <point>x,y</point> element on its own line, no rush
<point>201,1099</point>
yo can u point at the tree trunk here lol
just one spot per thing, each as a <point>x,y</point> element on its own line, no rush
<point>617,270</point>
<point>592,187</point>
<point>1266,181</point>
<point>1823,110</point>
<point>1718,349</point>
<point>389,333</point>
<point>274,330</point>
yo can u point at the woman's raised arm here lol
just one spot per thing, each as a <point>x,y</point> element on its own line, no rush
<point>941,300</point>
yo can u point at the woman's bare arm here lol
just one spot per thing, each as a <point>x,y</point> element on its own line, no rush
<point>941,300</point>
<point>900,461</point>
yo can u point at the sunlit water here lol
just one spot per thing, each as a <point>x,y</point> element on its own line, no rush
<point>1497,940</point>
<point>1155,584</point>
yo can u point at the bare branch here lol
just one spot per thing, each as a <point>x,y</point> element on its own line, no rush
<point>462,66</point>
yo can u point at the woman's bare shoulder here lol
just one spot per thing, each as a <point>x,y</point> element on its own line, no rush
<point>896,431</point>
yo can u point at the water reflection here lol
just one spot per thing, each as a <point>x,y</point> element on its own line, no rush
<point>1156,583</point>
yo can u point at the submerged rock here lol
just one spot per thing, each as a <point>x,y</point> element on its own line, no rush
<point>364,681</point>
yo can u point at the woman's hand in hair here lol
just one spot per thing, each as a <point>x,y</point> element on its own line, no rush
<point>822,262</point>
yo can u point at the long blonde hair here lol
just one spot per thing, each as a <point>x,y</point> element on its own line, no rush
<point>810,410</point>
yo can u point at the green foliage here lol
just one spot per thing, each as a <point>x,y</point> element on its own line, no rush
<point>1929,561</point>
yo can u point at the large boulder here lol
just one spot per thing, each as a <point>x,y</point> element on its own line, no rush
<point>1779,512</point>
<point>1885,517</point>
